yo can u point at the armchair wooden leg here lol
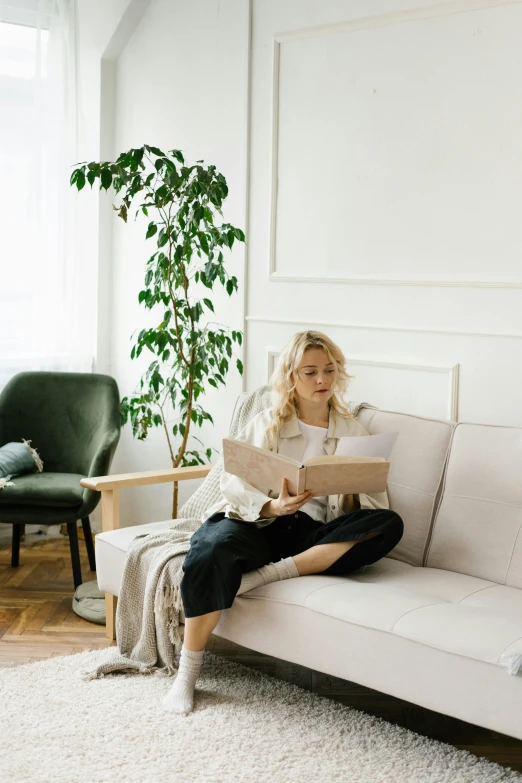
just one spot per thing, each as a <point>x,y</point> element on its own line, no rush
<point>87,534</point>
<point>111,602</point>
<point>15,547</point>
<point>75,553</point>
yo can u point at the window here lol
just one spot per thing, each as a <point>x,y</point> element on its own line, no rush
<point>23,60</point>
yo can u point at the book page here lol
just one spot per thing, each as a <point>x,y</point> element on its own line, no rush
<point>380,445</point>
<point>333,459</point>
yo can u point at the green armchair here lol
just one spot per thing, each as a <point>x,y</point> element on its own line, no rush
<point>73,420</point>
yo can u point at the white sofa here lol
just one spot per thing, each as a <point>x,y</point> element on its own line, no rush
<point>433,622</point>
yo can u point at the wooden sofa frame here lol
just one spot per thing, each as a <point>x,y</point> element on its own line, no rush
<point>110,486</point>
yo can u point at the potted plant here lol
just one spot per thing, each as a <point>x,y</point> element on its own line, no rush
<point>181,203</point>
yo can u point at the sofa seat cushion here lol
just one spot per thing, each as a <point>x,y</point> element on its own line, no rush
<point>60,490</point>
<point>453,612</point>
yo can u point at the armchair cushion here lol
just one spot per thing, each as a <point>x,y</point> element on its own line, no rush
<point>17,458</point>
<point>59,490</point>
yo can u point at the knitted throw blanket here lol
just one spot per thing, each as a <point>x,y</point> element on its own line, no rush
<point>147,613</point>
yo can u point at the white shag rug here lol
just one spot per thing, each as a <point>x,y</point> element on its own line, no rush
<point>247,727</point>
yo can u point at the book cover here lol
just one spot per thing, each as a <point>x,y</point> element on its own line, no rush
<point>324,475</point>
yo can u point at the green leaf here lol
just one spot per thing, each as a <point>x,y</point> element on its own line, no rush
<point>203,242</point>
<point>80,180</point>
<point>105,179</point>
<point>154,150</point>
<point>209,304</point>
<point>145,211</point>
<point>151,230</point>
<point>239,366</point>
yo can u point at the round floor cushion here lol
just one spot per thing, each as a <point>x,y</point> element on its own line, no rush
<point>89,602</point>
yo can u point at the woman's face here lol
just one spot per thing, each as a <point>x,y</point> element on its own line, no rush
<point>316,376</point>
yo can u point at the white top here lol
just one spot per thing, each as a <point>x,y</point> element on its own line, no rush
<point>316,507</point>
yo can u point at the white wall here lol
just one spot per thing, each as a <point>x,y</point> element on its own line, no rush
<point>97,24</point>
<point>391,139</point>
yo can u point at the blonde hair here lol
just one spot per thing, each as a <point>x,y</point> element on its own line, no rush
<point>285,402</point>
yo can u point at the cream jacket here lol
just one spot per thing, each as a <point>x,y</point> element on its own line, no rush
<point>243,501</point>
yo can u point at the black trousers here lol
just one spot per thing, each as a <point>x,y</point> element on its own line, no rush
<point>224,549</point>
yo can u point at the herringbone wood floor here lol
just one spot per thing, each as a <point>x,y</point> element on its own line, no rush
<point>36,616</point>
<point>37,622</point>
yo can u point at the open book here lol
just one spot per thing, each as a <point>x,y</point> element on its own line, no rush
<point>325,475</point>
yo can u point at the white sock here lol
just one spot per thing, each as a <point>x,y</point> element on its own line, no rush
<point>180,698</point>
<point>283,569</point>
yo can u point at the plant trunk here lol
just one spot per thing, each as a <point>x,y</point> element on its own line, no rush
<point>175,501</point>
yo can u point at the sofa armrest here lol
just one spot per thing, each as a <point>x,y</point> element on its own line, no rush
<point>110,486</point>
<point>102,483</point>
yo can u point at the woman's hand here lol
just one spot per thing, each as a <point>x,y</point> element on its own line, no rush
<point>285,503</point>
<point>349,503</point>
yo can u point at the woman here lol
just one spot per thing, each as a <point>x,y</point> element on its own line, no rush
<point>250,537</point>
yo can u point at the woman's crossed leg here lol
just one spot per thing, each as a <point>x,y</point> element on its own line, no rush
<point>227,556</point>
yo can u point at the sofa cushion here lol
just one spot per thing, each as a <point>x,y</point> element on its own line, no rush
<point>416,470</point>
<point>438,608</point>
<point>478,527</point>
<point>438,639</point>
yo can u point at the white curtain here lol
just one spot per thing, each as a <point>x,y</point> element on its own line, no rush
<point>40,303</point>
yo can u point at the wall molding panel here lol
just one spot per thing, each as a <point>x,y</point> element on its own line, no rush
<point>379,327</point>
<point>379,20</point>
<point>394,17</point>
<point>275,277</point>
